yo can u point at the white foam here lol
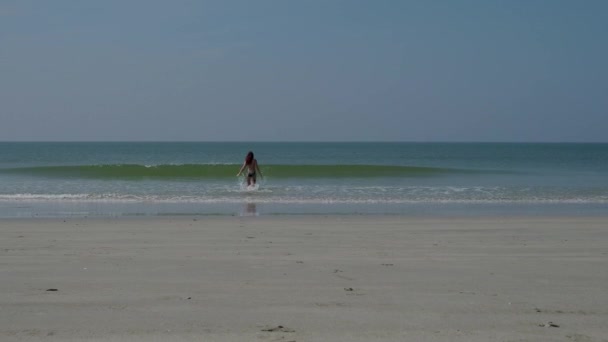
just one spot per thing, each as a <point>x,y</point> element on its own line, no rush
<point>249,188</point>
<point>284,199</point>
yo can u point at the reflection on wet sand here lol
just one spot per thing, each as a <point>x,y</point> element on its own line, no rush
<point>250,210</point>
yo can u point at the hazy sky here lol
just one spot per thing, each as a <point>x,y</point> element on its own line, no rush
<point>453,70</point>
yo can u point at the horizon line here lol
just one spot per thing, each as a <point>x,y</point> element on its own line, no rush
<point>313,142</point>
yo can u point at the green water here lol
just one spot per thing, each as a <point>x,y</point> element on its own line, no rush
<point>223,171</point>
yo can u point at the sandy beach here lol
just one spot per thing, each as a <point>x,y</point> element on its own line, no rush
<point>304,278</point>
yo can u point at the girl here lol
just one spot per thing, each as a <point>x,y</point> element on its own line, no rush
<point>252,166</point>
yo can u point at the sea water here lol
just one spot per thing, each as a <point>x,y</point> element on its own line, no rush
<point>199,178</point>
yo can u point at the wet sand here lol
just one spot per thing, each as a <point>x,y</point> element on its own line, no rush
<point>304,278</point>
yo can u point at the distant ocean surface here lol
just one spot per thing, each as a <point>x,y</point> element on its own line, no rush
<point>199,178</point>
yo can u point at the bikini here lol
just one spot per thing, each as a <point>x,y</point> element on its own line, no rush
<point>251,173</point>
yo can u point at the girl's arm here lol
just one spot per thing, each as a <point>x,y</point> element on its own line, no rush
<point>241,170</point>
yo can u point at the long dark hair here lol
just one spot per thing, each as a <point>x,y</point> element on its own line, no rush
<point>249,158</point>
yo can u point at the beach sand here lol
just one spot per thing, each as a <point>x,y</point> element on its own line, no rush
<point>304,278</point>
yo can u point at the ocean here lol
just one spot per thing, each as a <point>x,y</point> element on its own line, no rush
<point>199,178</point>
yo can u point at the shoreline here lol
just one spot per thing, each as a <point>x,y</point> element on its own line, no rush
<point>50,209</point>
<point>319,277</point>
<point>404,218</point>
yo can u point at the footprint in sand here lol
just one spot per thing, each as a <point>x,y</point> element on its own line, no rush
<point>279,328</point>
<point>549,325</point>
<point>336,271</point>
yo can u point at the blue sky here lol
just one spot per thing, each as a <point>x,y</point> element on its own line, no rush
<point>304,70</point>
